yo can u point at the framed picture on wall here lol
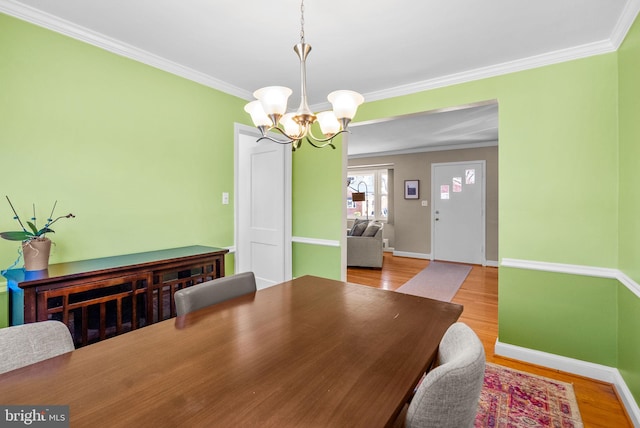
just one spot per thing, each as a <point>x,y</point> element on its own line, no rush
<point>411,189</point>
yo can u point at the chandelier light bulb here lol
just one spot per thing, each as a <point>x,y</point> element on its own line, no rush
<point>291,127</point>
<point>345,103</point>
<point>258,116</point>
<point>273,99</point>
<point>328,122</point>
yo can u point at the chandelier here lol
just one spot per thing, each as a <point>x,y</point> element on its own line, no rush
<point>268,112</point>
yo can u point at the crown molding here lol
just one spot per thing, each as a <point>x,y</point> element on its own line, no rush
<point>42,19</point>
<point>556,57</point>
<point>53,23</point>
<point>627,18</point>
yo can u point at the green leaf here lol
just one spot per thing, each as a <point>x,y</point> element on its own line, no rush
<point>45,230</point>
<point>16,236</point>
<point>33,228</point>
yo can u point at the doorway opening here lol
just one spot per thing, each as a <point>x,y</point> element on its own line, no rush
<point>412,144</point>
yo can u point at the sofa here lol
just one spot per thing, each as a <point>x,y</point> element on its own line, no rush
<point>364,244</point>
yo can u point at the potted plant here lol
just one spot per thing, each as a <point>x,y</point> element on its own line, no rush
<point>35,245</point>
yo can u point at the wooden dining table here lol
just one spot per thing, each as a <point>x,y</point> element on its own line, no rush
<point>311,352</point>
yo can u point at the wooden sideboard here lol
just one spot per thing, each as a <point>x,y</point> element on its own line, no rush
<point>104,297</point>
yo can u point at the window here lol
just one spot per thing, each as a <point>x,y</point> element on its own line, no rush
<point>375,184</point>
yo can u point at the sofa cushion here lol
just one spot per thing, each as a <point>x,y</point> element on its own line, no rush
<point>371,230</point>
<point>359,227</point>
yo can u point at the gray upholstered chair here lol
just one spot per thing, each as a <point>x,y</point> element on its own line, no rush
<point>215,291</point>
<point>26,344</point>
<point>448,395</point>
<point>365,248</point>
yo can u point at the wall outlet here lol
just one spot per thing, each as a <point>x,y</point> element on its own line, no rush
<point>225,198</point>
<point>425,203</point>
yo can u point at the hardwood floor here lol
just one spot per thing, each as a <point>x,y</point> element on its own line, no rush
<point>599,404</point>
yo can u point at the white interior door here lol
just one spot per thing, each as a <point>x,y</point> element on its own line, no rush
<point>263,208</point>
<point>458,199</point>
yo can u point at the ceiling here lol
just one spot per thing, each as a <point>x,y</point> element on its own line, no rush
<point>378,48</point>
<point>455,128</point>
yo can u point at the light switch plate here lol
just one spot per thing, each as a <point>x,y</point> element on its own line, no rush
<point>425,203</point>
<point>225,198</point>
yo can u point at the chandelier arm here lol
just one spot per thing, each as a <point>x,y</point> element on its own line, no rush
<point>324,140</point>
<point>319,146</point>
<point>275,140</point>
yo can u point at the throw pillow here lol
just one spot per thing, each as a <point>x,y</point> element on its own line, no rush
<point>359,228</point>
<point>353,226</point>
<point>371,229</point>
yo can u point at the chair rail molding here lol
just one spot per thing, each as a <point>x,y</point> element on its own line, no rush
<point>316,241</point>
<point>594,271</point>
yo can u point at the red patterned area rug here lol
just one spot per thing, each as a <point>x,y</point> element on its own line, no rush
<point>514,399</point>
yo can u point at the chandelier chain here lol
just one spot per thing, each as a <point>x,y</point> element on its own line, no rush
<point>302,21</point>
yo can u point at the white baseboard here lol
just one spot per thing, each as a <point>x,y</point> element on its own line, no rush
<point>628,401</point>
<point>491,263</point>
<point>412,255</point>
<point>558,362</point>
<point>577,367</point>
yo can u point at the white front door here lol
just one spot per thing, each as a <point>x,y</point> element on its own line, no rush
<point>458,225</point>
<point>263,208</point>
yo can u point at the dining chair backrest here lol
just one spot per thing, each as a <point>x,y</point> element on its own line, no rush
<point>26,344</point>
<point>215,291</point>
<point>448,395</point>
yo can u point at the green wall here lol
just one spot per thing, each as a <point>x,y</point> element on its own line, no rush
<point>140,156</point>
<point>629,234</point>
<point>628,341</point>
<point>317,209</point>
<point>570,315</point>
<point>316,260</point>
